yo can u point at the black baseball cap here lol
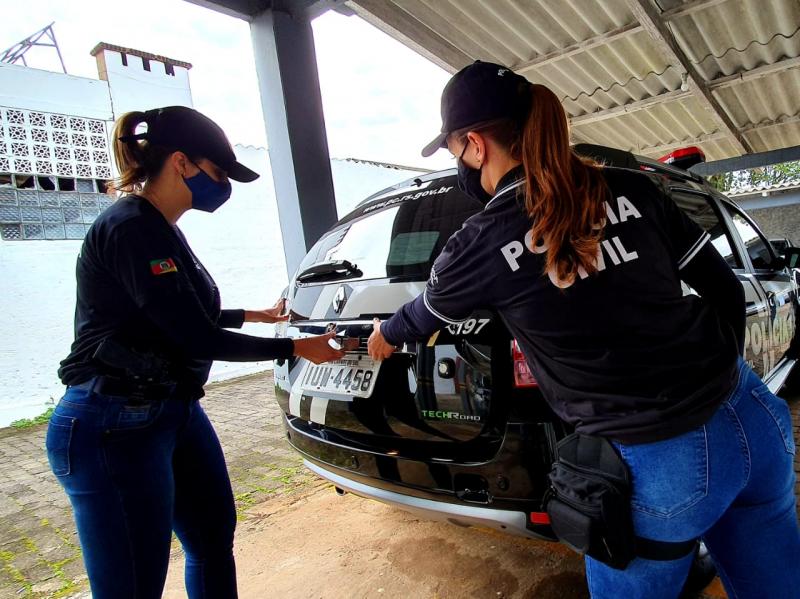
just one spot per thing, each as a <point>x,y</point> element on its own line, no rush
<point>480,92</point>
<point>193,133</point>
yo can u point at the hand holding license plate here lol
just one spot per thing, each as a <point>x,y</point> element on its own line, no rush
<point>353,375</point>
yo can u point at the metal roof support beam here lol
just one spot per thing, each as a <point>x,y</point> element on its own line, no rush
<point>651,20</point>
<point>749,161</point>
<point>579,47</point>
<point>688,8</point>
<point>665,148</point>
<point>756,73</point>
<point>714,84</point>
<point>608,113</point>
<point>782,120</point>
<point>715,136</point>
<point>286,65</point>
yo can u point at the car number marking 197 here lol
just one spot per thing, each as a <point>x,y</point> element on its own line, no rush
<point>468,327</point>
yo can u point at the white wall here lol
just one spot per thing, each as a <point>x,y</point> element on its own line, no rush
<point>133,88</point>
<point>241,245</point>
<point>33,89</point>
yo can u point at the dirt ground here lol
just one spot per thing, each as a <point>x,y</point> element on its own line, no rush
<point>316,544</point>
<point>296,538</point>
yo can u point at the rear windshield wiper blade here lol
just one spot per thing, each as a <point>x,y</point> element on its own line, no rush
<point>329,271</point>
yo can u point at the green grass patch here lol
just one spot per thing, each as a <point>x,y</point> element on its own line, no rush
<point>29,422</point>
<point>69,589</point>
<point>7,557</point>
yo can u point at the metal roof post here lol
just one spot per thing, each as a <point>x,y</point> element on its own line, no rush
<point>740,163</point>
<point>283,45</point>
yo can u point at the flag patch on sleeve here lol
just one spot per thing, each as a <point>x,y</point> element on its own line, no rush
<point>162,266</point>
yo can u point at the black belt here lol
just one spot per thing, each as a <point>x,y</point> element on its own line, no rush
<point>108,385</point>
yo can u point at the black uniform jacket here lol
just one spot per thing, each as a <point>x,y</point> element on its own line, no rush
<point>621,353</point>
<point>140,284</point>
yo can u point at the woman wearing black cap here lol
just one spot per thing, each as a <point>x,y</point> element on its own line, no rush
<point>129,442</point>
<point>584,264</point>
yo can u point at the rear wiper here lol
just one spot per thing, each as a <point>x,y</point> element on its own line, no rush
<point>329,271</point>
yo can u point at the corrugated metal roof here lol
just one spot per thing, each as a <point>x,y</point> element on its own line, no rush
<point>617,82</point>
<point>763,188</point>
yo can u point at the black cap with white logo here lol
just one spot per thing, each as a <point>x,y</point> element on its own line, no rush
<point>187,130</point>
<point>480,92</point>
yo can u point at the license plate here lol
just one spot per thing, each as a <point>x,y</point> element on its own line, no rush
<point>352,375</point>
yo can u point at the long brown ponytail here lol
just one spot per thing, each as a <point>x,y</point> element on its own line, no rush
<point>136,160</point>
<point>564,194</point>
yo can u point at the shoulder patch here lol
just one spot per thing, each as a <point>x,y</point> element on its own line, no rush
<point>163,266</point>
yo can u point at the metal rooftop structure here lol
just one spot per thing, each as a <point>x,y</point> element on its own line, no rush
<point>16,53</point>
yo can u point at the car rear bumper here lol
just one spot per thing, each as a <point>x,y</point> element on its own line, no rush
<point>509,521</point>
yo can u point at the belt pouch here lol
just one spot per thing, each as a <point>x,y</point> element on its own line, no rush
<point>589,500</point>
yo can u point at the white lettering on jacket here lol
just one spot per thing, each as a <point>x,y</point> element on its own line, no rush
<point>613,248</point>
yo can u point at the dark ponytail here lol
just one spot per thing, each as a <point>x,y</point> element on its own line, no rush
<point>564,194</point>
<point>137,160</point>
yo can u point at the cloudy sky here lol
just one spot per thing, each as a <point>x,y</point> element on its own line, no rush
<point>381,100</point>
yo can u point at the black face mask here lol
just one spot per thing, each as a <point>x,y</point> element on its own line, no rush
<point>469,180</point>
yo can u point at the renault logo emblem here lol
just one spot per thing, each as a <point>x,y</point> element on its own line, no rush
<point>340,300</point>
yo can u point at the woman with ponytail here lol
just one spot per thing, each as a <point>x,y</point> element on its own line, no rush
<point>129,441</point>
<point>584,264</point>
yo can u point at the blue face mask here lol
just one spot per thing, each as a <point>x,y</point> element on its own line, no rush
<point>207,194</point>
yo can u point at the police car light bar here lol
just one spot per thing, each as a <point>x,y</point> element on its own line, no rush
<point>684,157</point>
<point>522,374</point>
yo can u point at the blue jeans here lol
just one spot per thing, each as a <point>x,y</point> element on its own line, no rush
<point>134,472</point>
<point>730,482</point>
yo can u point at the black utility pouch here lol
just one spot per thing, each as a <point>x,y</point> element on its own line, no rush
<point>589,500</point>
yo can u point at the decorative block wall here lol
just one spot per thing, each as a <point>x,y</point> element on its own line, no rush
<point>39,151</point>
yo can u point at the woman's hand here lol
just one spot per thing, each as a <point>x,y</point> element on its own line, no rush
<point>274,314</point>
<point>317,349</point>
<point>377,346</point>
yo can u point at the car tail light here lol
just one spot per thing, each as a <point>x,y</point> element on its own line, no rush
<point>540,518</point>
<point>522,374</point>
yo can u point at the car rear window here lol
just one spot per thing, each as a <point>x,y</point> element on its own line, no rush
<point>401,239</point>
<point>412,248</point>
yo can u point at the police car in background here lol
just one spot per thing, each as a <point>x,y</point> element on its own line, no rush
<point>455,428</point>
